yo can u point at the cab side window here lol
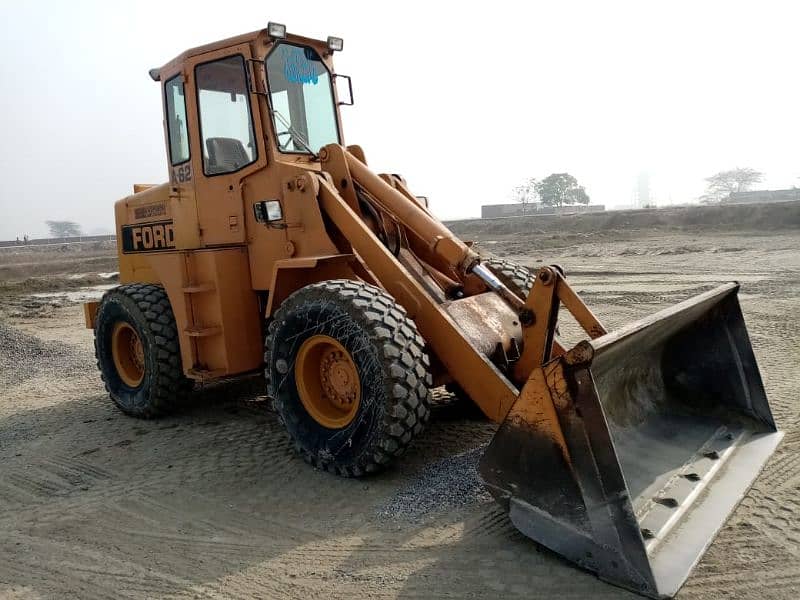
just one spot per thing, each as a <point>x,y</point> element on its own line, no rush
<point>176,121</point>
<point>226,125</point>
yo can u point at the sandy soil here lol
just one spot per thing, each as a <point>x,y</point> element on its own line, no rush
<point>211,502</point>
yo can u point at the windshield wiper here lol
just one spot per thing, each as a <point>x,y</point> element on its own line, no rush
<point>296,136</point>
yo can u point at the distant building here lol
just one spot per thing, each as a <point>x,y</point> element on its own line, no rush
<point>762,196</point>
<point>642,194</point>
<point>493,211</point>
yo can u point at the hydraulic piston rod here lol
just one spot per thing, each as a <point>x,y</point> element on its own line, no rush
<point>497,286</point>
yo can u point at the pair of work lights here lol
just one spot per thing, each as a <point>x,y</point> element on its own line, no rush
<point>277,31</point>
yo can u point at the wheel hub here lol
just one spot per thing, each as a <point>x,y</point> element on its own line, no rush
<point>128,354</point>
<point>338,378</point>
<point>327,381</point>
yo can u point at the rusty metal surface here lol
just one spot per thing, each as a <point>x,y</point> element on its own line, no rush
<point>540,326</point>
<point>486,321</point>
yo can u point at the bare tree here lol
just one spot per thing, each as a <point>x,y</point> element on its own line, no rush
<point>62,229</point>
<point>525,194</point>
<point>725,183</point>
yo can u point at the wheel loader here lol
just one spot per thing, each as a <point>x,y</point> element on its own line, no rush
<point>274,247</point>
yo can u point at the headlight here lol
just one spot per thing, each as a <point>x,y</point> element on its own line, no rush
<point>276,31</point>
<point>335,44</point>
<point>267,211</point>
<point>274,212</point>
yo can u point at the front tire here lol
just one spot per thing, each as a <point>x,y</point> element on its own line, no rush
<point>517,278</point>
<point>348,376</point>
<point>136,346</point>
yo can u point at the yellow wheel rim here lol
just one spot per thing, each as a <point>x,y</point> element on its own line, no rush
<point>327,381</point>
<point>128,354</point>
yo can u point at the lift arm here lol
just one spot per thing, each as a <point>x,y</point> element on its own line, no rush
<point>473,371</point>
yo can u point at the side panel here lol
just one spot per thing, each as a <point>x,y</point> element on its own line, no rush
<point>300,233</point>
<point>162,205</point>
<point>231,306</point>
<point>219,325</point>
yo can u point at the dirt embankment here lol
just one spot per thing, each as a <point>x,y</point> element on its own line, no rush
<point>36,279</point>
<point>721,218</point>
<point>25,262</point>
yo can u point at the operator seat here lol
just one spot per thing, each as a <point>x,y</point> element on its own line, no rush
<point>225,155</point>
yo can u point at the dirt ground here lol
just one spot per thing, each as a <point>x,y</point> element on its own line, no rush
<point>212,503</point>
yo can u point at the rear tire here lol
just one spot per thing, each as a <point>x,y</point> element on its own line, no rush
<point>136,346</point>
<point>381,344</point>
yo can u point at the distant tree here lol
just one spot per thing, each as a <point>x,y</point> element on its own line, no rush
<point>580,195</point>
<point>725,183</point>
<point>559,189</point>
<point>525,194</point>
<point>62,229</point>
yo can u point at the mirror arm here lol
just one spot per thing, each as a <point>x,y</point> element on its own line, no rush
<point>251,85</point>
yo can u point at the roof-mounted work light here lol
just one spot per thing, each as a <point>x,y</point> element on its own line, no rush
<point>335,44</point>
<point>276,31</point>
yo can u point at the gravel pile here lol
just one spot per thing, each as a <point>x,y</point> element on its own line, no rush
<point>449,483</point>
<point>23,356</point>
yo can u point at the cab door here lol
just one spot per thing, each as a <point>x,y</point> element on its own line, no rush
<point>228,140</point>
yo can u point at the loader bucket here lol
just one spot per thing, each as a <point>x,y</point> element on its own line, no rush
<point>628,454</point>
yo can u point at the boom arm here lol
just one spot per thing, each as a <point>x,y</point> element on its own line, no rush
<point>440,239</point>
<point>476,374</point>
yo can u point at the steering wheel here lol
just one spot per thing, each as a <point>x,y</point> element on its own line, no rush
<point>284,145</point>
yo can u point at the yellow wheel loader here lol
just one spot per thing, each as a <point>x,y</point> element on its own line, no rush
<point>274,246</point>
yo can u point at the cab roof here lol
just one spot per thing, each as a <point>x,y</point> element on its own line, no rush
<point>244,38</point>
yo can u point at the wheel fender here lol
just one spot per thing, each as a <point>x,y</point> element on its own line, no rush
<point>291,274</point>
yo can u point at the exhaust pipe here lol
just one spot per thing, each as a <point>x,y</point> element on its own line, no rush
<point>628,454</point>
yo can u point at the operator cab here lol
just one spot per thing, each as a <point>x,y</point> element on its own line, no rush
<point>234,109</point>
<point>236,81</point>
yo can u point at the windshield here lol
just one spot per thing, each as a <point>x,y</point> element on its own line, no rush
<point>303,112</point>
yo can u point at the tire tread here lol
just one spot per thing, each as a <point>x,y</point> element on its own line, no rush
<point>170,387</point>
<point>406,366</point>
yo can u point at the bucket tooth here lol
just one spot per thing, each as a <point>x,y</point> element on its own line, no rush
<point>629,462</point>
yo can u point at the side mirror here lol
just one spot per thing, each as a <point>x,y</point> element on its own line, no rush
<point>340,88</point>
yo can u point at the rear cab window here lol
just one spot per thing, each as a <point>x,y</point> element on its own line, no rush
<point>177,132</point>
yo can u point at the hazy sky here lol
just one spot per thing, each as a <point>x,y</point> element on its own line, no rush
<point>464,99</point>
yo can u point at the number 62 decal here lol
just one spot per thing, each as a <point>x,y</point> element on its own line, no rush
<point>182,174</point>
